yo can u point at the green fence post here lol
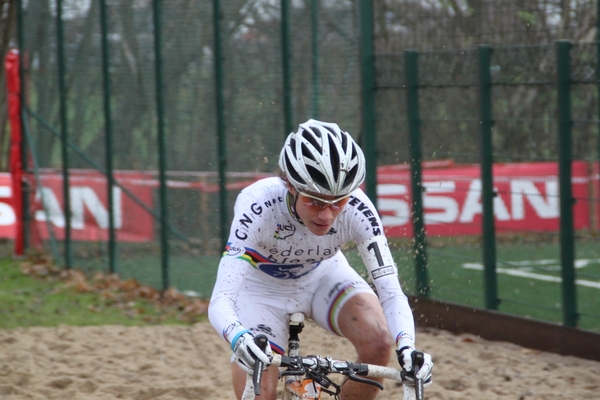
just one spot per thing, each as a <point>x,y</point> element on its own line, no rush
<point>286,61</point>
<point>414,122</point>
<point>220,110</point>
<point>108,139</point>
<point>62,90</point>
<point>487,179</point>
<point>23,150</point>
<point>565,124</point>
<point>162,162</point>
<point>597,225</point>
<point>367,59</point>
<point>314,20</point>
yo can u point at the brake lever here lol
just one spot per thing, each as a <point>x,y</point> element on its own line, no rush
<point>293,366</point>
<point>262,342</point>
<point>334,394</point>
<point>289,372</point>
<point>319,378</point>
<point>353,377</point>
<point>418,359</point>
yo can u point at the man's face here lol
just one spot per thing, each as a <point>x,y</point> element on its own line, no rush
<point>317,215</point>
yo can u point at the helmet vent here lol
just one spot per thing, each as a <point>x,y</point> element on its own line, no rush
<point>306,152</point>
<point>312,140</point>
<point>318,177</point>
<point>351,176</point>
<point>290,170</point>
<point>335,159</point>
<point>345,144</point>
<point>293,147</point>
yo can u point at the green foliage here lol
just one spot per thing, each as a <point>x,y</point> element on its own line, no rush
<point>527,17</point>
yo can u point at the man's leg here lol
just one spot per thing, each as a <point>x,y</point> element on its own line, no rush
<point>268,387</point>
<point>361,320</point>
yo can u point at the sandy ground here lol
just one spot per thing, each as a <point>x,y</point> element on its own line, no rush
<point>168,362</point>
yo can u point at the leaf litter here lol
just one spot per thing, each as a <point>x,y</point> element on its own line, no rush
<point>116,292</point>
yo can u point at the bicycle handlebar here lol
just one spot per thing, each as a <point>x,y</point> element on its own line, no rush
<point>318,368</point>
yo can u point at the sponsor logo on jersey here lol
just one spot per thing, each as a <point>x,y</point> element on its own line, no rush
<point>229,328</point>
<point>284,231</point>
<point>233,250</point>
<point>281,265</point>
<point>367,212</point>
<point>293,255</point>
<point>404,335</point>
<point>263,328</point>
<point>334,289</point>
<point>383,271</point>
<point>287,271</point>
<point>248,218</point>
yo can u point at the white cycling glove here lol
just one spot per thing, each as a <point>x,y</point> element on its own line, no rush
<point>405,358</point>
<point>246,352</point>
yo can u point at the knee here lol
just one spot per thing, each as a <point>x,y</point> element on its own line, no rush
<point>375,350</point>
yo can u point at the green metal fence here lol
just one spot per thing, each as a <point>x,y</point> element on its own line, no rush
<point>502,104</point>
<point>197,97</point>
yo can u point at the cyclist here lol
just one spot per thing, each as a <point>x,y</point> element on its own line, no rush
<point>283,256</point>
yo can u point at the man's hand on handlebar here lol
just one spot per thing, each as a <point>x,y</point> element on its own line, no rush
<point>247,352</point>
<point>406,355</point>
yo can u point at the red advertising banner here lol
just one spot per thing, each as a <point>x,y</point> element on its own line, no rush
<point>527,198</point>
<point>89,207</point>
<point>8,217</point>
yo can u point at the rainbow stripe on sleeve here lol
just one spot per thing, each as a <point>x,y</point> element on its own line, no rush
<point>250,255</point>
<point>401,336</point>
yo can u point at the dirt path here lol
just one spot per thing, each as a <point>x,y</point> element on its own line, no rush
<point>168,362</point>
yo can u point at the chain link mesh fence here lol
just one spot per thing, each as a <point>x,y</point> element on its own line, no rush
<point>123,104</point>
<point>525,132</point>
<point>107,109</point>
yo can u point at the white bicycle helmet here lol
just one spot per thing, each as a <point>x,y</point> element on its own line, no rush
<point>321,158</point>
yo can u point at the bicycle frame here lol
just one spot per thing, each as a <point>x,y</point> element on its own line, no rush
<point>296,388</point>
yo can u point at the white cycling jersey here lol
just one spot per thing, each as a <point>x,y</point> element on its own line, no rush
<point>270,250</point>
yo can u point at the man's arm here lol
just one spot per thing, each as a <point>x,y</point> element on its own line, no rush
<point>221,310</point>
<point>383,272</point>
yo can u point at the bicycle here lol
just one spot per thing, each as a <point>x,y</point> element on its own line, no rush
<point>306,378</point>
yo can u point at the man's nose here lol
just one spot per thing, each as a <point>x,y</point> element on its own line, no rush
<point>325,214</point>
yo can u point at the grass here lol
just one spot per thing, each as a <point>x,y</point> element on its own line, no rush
<point>523,293</point>
<point>51,299</point>
<point>524,283</point>
<point>449,278</point>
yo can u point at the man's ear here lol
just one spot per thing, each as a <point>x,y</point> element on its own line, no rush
<point>289,187</point>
